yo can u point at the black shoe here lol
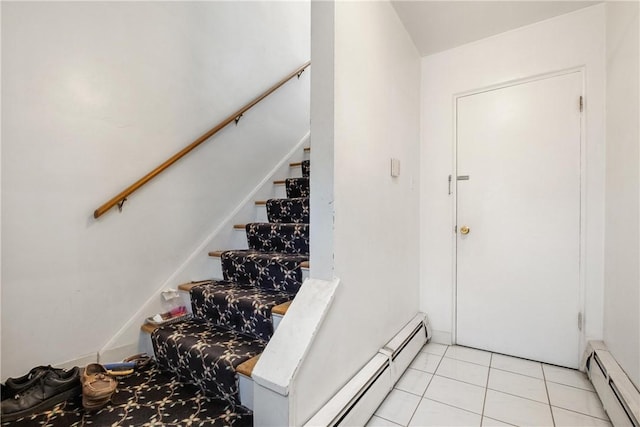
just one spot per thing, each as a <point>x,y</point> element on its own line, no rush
<point>53,387</point>
<point>15,386</point>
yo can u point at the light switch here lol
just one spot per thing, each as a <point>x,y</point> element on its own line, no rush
<point>395,167</point>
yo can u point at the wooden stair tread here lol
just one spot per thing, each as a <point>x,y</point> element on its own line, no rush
<point>279,182</point>
<point>281,309</point>
<point>148,328</point>
<point>187,286</point>
<point>295,164</point>
<point>307,149</point>
<point>261,202</point>
<point>304,264</point>
<point>240,226</point>
<point>246,368</point>
<point>216,254</point>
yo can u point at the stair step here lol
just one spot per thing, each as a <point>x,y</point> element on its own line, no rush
<point>246,368</point>
<point>260,202</point>
<point>306,168</point>
<point>295,164</point>
<point>278,237</point>
<point>205,355</point>
<point>239,226</point>
<point>215,254</point>
<point>186,287</point>
<point>292,210</point>
<point>280,181</point>
<point>281,309</point>
<point>297,187</point>
<point>243,308</point>
<point>304,264</point>
<point>148,328</point>
<point>269,270</point>
<point>307,149</point>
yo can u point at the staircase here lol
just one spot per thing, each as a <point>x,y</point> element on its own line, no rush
<point>233,318</point>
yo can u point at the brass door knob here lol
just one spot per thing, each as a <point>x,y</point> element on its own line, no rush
<point>464,229</point>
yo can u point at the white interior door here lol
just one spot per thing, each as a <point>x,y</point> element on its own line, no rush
<point>518,268</point>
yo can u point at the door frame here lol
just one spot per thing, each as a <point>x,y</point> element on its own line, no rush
<point>583,207</point>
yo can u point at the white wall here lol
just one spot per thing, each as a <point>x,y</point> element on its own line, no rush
<point>99,94</point>
<point>375,82</point>
<point>622,227</point>
<point>567,41</point>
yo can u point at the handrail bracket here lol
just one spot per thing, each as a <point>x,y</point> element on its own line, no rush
<point>237,119</point>
<point>121,204</point>
<point>300,73</point>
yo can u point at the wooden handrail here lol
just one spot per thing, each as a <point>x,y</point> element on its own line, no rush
<point>119,199</point>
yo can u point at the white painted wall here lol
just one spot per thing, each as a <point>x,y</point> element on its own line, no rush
<point>567,41</point>
<point>375,82</point>
<point>100,93</point>
<point>622,215</point>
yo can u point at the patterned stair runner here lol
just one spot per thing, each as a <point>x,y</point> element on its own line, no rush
<point>292,210</point>
<point>232,317</point>
<point>297,187</point>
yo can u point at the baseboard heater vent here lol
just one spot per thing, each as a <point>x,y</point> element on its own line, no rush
<point>356,402</point>
<point>620,398</point>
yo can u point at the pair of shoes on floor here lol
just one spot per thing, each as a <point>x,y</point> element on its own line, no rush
<point>14,386</point>
<point>97,387</point>
<point>41,389</point>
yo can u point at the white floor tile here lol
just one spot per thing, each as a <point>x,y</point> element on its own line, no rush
<point>414,381</point>
<point>517,365</point>
<point>463,371</point>
<point>398,407</point>
<point>575,399</point>
<point>567,376</point>
<point>435,348</point>
<point>430,413</point>
<point>519,385</point>
<point>490,422</point>
<point>467,354</point>
<point>426,362</point>
<point>564,418</point>
<point>456,393</point>
<point>376,421</point>
<point>516,410</point>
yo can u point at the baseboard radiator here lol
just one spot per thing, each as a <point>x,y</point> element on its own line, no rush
<point>620,398</point>
<point>356,402</point>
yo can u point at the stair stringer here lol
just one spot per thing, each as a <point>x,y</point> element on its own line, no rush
<point>198,265</point>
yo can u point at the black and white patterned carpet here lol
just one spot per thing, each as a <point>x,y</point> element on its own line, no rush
<point>197,358</point>
<point>147,398</point>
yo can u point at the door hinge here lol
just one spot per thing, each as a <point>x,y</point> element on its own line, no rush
<point>580,321</point>
<point>581,102</point>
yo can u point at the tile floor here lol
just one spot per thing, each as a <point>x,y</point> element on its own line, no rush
<point>459,386</point>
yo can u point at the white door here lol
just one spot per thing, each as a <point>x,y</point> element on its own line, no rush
<point>518,267</point>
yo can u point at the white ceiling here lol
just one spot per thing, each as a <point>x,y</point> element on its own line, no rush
<point>435,26</point>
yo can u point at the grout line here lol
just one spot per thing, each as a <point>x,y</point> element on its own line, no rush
<point>392,422</point>
<point>582,413</point>
<point>466,361</point>
<point>460,381</point>
<point>425,390</point>
<point>548,397</point>
<point>572,386</point>
<point>451,406</point>
<point>521,397</point>
<point>486,387</point>
<point>517,373</point>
